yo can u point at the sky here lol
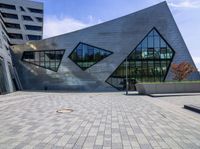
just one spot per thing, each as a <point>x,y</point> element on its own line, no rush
<point>63,16</point>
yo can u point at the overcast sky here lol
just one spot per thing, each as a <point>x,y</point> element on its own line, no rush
<point>63,16</point>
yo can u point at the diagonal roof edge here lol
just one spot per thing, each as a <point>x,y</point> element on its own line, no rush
<point>164,3</point>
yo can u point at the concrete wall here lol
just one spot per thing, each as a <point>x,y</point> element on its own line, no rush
<point>163,88</point>
<point>120,36</point>
<point>6,58</point>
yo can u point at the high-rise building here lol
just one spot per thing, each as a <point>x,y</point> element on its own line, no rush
<point>20,21</point>
<point>23,20</point>
<point>5,60</point>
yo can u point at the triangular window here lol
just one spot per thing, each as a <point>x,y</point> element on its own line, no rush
<point>148,62</point>
<point>48,59</point>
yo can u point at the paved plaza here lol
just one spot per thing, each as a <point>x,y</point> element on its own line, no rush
<point>99,121</point>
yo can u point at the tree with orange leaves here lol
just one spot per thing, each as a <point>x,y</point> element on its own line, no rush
<point>182,70</point>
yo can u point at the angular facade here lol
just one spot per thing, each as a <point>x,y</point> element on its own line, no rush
<point>147,42</point>
<point>148,62</point>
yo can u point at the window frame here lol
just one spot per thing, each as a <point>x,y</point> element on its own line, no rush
<point>39,19</point>
<point>40,52</point>
<point>10,34</point>
<point>7,6</point>
<point>35,10</point>
<point>9,14</point>
<point>33,36</point>
<point>25,16</point>
<point>11,27</point>
<point>140,59</point>
<point>33,27</point>
<point>94,47</point>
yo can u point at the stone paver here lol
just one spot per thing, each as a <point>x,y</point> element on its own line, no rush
<point>99,121</point>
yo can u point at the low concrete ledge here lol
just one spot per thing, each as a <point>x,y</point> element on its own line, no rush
<point>162,88</point>
<point>192,108</point>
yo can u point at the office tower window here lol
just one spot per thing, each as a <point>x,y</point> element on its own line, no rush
<point>34,37</point>
<point>12,25</point>
<point>34,28</point>
<point>7,6</point>
<point>9,15</point>
<point>39,19</point>
<point>27,18</point>
<point>15,36</point>
<point>36,10</point>
<point>22,9</point>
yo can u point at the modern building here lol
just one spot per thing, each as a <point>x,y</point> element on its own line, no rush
<point>23,20</point>
<point>147,42</point>
<point>15,28</point>
<point>4,55</point>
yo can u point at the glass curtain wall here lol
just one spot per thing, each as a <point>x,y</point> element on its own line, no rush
<point>148,62</point>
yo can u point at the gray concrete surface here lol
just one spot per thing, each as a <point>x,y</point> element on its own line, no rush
<point>99,120</point>
<point>179,99</point>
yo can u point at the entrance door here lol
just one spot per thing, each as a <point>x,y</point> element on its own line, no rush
<point>14,82</point>
<point>131,84</point>
<point>2,78</point>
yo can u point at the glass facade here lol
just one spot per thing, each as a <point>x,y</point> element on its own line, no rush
<point>85,55</point>
<point>148,62</point>
<point>48,59</point>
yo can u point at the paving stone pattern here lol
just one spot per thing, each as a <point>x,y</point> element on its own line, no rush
<point>99,121</point>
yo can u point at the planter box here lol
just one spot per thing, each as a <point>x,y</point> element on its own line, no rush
<point>162,88</point>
